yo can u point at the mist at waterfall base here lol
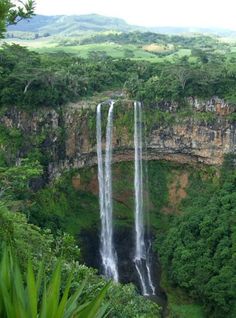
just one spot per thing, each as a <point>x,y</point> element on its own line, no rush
<point>137,247</point>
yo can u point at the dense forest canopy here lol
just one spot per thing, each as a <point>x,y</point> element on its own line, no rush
<point>199,249</point>
<point>32,80</point>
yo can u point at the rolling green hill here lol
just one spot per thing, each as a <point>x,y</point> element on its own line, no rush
<point>85,35</point>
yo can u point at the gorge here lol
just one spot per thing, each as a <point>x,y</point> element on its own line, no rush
<point>176,151</point>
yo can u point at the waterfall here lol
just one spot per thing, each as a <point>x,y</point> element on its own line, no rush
<point>141,259</point>
<point>109,258</point>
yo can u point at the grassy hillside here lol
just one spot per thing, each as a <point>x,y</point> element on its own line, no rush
<point>83,35</point>
<point>89,34</point>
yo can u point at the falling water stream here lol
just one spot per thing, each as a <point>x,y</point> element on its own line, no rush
<point>142,249</point>
<point>108,255</point>
<point>141,259</point>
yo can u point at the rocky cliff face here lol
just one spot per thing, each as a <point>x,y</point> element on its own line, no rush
<point>66,137</point>
<point>193,142</point>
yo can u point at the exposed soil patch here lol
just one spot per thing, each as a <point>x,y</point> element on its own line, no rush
<point>76,182</point>
<point>91,186</point>
<point>177,192</point>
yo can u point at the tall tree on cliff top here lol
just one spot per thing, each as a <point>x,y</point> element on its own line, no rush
<point>13,11</point>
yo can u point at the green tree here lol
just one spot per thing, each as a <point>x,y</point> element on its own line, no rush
<point>14,181</point>
<point>12,12</point>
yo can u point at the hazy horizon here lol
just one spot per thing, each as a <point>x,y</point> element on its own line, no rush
<point>181,13</point>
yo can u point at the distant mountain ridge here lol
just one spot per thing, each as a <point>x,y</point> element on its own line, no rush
<point>77,24</point>
<point>64,24</point>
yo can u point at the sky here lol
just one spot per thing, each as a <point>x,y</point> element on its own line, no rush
<point>196,13</point>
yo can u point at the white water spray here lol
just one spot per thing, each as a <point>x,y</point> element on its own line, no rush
<point>109,258</point>
<point>141,258</point>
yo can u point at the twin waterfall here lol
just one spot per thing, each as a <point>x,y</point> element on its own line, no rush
<point>107,250</point>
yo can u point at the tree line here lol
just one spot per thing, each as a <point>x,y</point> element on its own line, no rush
<point>30,80</point>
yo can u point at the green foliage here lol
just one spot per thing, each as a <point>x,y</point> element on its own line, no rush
<point>199,250</point>
<point>175,81</point>
<point>195,42</point>
<point>14,180</point>
<point>30,80</point>
<point>159,175</point>
<point>204,117</point>
<point>154,118</point>
<point>29,241</point>
<point>57,206</point>
<point>180,304</point>
<point>126,303</point>
<point>34,296</point>
<point>11,141</point>
<point>123,120</point>
<point>12,12</point>
<point>32,243</point>
<point>185,311</point>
